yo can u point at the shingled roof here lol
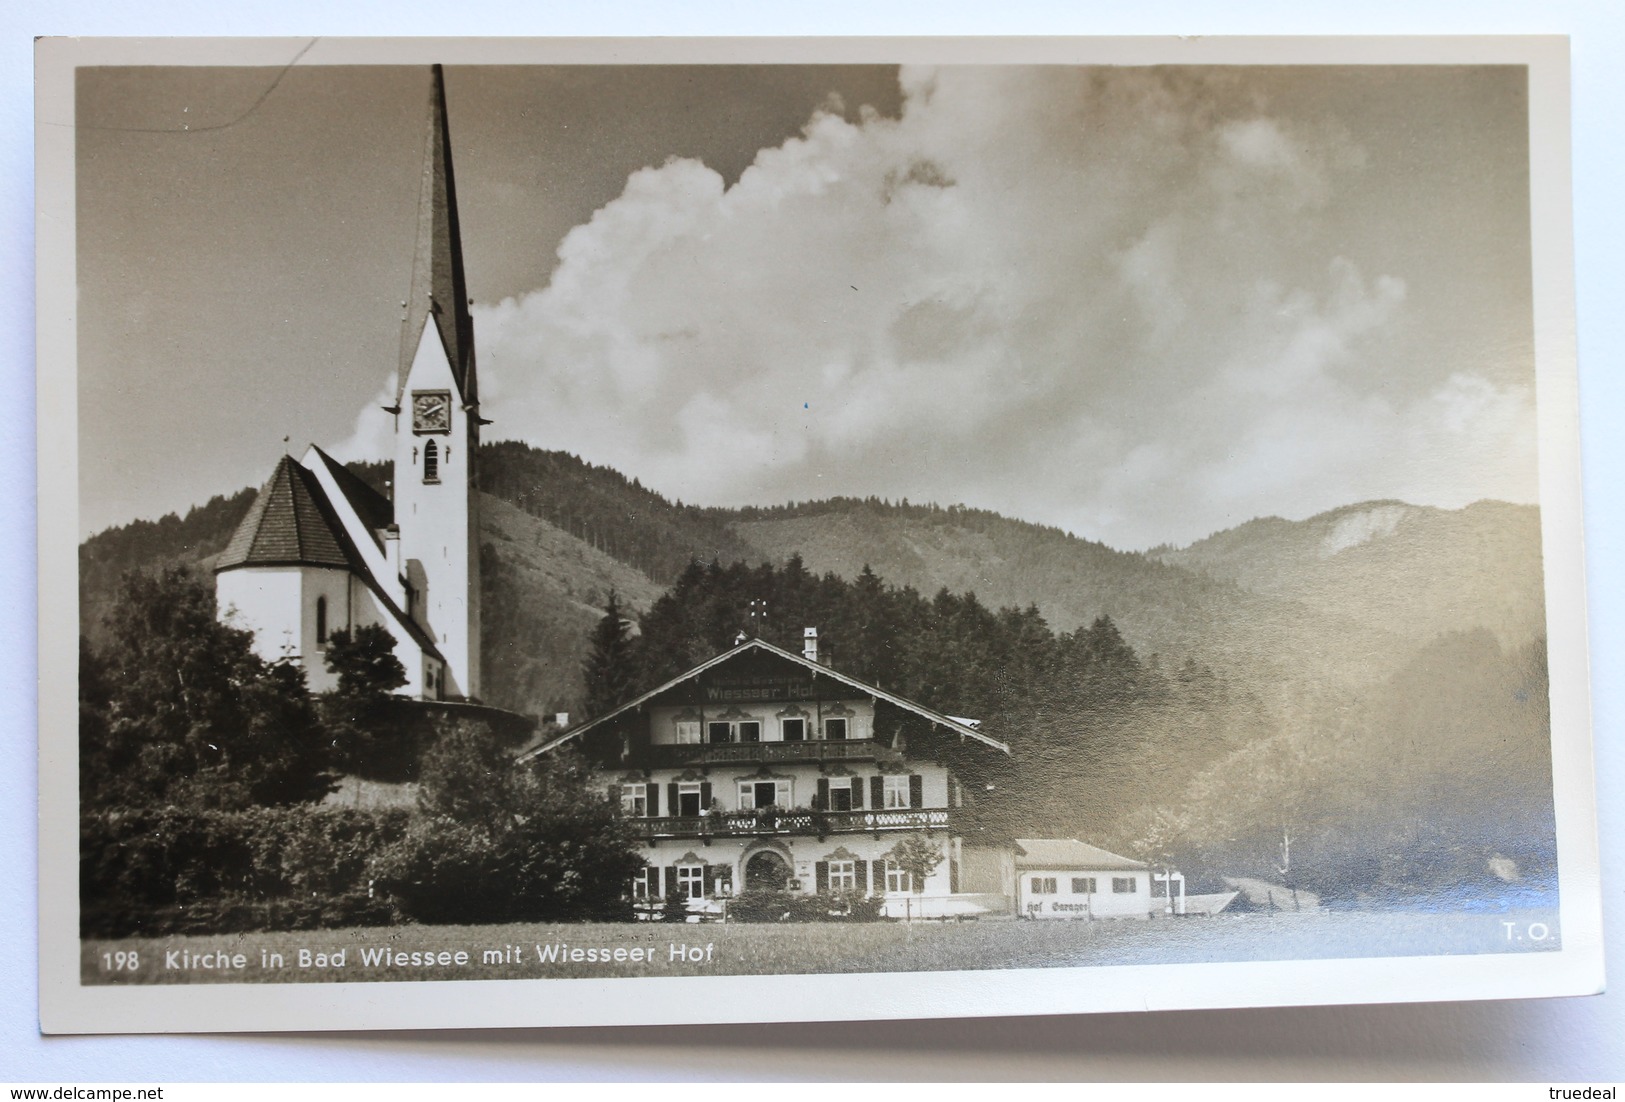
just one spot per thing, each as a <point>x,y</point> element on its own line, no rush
<point>289,524</point>
<point>374,509</point>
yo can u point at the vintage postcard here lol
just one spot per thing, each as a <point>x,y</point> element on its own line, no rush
<point>634,532</point>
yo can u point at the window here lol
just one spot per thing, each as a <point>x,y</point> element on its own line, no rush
<point>1123,885</point>
<point>688,799</point>
<point>321,621</point>
<point>688,732</point>
<point>717,733</point>
<point>750,731</point>
<point>835,729</point>
<point>840,797</point>
<point>762,794</point>
<point>1043,885</point>
<point>431,462</point>
<point>1083,885</point>
<point>793,730</point>
<point>896,791</point>
<point>898,880</point>
<point>646,884</point>
<point>843,876</point>
<point>1159,888</point>
<point>635,800</point>
<point>691,880</point>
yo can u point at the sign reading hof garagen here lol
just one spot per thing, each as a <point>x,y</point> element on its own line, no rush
<point>576,532</point>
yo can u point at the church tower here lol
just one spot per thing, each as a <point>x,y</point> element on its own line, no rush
<point>437,426</point>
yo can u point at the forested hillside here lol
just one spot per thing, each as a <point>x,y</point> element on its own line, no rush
<point>151,545</point>
<point>558,534</point>
<point>601,507</point>
<point>1163,610</point>
<point>1354,702</point>
<point>1413,570</point>
<point>1438,785</point>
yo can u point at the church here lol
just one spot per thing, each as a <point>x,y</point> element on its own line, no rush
<point>757,769</point>
<point>320,551</point>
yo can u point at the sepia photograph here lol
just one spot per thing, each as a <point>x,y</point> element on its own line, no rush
<point>1052,528</point>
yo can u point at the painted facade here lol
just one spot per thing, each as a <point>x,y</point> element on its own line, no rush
<point>763,769</point>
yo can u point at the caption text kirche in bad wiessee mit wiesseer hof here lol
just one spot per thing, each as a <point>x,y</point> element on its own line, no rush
<point>551,953</point>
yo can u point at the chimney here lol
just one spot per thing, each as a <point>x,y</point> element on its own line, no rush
<point>809,644</point>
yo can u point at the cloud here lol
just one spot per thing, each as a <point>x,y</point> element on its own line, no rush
<point>372,437</point>
<point>1094,300</point>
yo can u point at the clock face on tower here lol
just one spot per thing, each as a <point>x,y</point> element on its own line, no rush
<point>431,411</point>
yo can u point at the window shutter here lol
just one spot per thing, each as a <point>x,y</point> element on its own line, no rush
<point>877,792</point>
<point>615,795</point>
<point>877,870</point>
<point>671,798</point>
<point>654,799</point>
<point>916,790</point>
<point>823,793</point>
<point>857,793</point>
<point>710,881</point>
<point>705,795</point>
<point>863,876</point>
<point>822,868</point>
<point>671,879</point>
<point>953,876</point>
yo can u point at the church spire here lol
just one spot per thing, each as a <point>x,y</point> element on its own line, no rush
<point>439,295</point>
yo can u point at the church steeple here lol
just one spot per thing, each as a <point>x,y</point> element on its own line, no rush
<point>439,294</point>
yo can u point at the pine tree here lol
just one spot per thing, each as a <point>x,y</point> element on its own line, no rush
<point>609,668</point>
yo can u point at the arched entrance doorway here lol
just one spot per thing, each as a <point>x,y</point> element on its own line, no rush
<point>766,871</point>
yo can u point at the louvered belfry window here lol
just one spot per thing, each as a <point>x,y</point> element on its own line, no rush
<point>431,462</point>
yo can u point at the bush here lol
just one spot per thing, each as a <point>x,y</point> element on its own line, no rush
<point>786,906</point>
<point>497,842</point>
<point>169,870</point>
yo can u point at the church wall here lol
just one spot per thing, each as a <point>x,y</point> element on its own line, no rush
<point>280,605</point>
<point>266,601</point>
<point>436,519</point>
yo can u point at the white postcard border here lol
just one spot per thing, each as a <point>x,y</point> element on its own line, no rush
<point>1576,968</point>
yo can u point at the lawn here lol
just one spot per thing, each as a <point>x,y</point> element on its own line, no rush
<point>519,951</point>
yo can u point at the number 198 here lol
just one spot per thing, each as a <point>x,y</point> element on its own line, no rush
<point>121,961</point>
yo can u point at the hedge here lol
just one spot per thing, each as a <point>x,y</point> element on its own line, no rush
<point>154,871</point>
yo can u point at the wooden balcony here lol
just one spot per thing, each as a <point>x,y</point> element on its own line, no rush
<point>767,753</point>
<point>749,824</point>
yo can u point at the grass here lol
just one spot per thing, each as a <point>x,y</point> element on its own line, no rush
<point>747,949</point>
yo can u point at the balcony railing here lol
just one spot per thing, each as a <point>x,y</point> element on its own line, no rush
<point>733,824</point>
<point>769,752</point>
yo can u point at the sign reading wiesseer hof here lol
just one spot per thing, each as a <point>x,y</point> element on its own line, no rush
<point>1097,515</point>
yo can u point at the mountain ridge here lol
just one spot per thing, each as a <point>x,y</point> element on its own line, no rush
<point>558,532</point>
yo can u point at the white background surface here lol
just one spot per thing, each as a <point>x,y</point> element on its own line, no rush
<point>1557,1040</point>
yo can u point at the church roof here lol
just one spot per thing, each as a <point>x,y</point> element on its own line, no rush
<point>375,510</point>
<point>289,524</point>
<point>293,523</point>
<point>439,295</point>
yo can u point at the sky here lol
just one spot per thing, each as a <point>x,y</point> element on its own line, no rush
<point>1141,304</point>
